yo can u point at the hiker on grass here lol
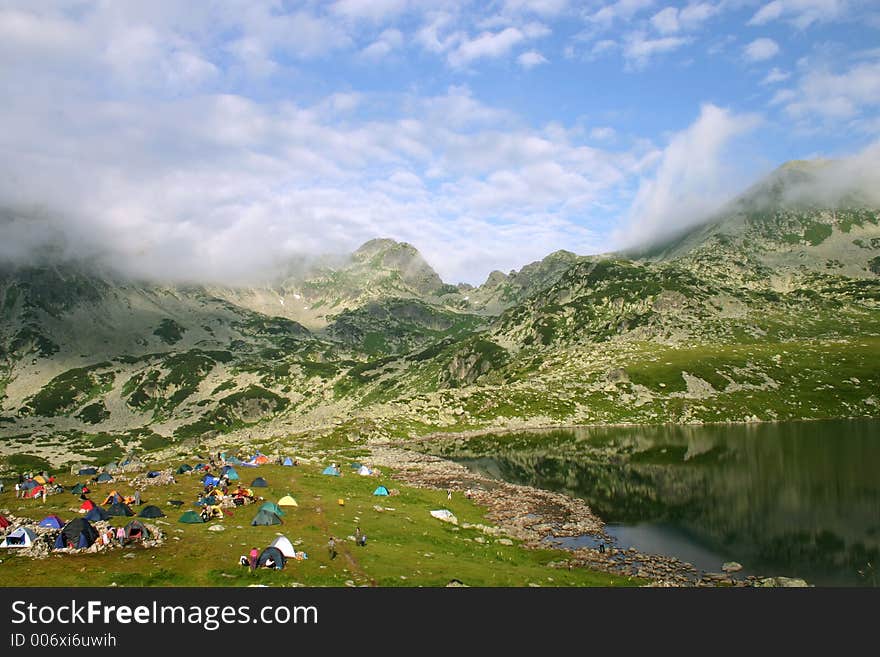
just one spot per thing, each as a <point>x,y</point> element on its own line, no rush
<point>331,547</point>
<point>360,538</point>
<point>253,556</point>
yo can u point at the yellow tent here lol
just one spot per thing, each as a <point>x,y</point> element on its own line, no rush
<point>287,500</point>
<point>40,479</point>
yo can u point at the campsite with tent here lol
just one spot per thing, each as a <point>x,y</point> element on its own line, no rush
<point>189,531</point>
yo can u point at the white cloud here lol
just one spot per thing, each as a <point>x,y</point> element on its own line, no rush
<point>671,20</point>
<point>221,187</point>
<point>760,50</point>
<point>539,7</point>
<point>775,76</point>
<point>603,46</point>
<point>824,95</point>
<point>692,178</point>
<point>429,35</point>
<point>387,42</point>
<point>531,59</point>
<point>665,21</point>
<point>622,10</point>
<point>801,13</point>
<point>603,133</point>
<point>640,49</point>
<point>372,10</point>
<point>486,45</point>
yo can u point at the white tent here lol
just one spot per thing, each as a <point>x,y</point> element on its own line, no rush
<point>445,515</point>
<point>283,543</point>
<point>364,471</point>
<point>21,537</point>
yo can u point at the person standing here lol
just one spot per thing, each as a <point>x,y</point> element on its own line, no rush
<point>331,548</point>
<point>253,557</point>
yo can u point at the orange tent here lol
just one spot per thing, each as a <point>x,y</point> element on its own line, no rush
<point>261,460</point>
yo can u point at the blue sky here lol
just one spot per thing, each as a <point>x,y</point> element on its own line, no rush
<point>215,140</point>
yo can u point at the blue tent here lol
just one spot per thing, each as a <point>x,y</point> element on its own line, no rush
<point>259,482</point>
<point>207,501</point>
<point>53,522</point>
<point>152,474</point>
<point>233,460</point>
<point>28,484</point>
<point>288,461</point>
<point>97,514</point>
<point>355,465</point>
<point>380,490</point>
<point>103,477</point>
<point>88,471</point>
<point>210,480</point>
<point>330,470</point>
<point>230,473</point>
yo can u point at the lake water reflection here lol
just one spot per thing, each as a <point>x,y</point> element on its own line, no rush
<point>799,499</point>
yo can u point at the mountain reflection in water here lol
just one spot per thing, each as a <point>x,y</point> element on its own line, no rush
<point>799,499</point>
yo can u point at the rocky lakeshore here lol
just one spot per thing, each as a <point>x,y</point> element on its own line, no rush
<point>537,517</point>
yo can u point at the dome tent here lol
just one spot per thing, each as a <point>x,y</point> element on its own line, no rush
<point>119,509</point>
<point>191,517</point>
<point>96,514</point>
<point>52,522</point>
<point>381,490</point>
<point>151,511</point>
<point>259,482</point>
<point>285,546</point>
<point>287,500</point>
<point>78,532</point>
<point>136,530</point>
<point>265,517</point>
<point>274,508</point>
<point>273,554</point>
<point>21,537</point>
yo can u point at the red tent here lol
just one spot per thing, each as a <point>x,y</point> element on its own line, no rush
<point>36,491</point>
<point>4,523</point>
<point>87,506</point>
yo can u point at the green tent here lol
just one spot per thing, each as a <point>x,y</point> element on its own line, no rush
<point>184,468</point>
<point>265,517</point>
<point>272,507</point>
<point>191,517</point>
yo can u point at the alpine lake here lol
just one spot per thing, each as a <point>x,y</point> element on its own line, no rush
<point>793,499</point>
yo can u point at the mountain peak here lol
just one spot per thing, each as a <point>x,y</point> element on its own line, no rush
<point>384,245</point>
